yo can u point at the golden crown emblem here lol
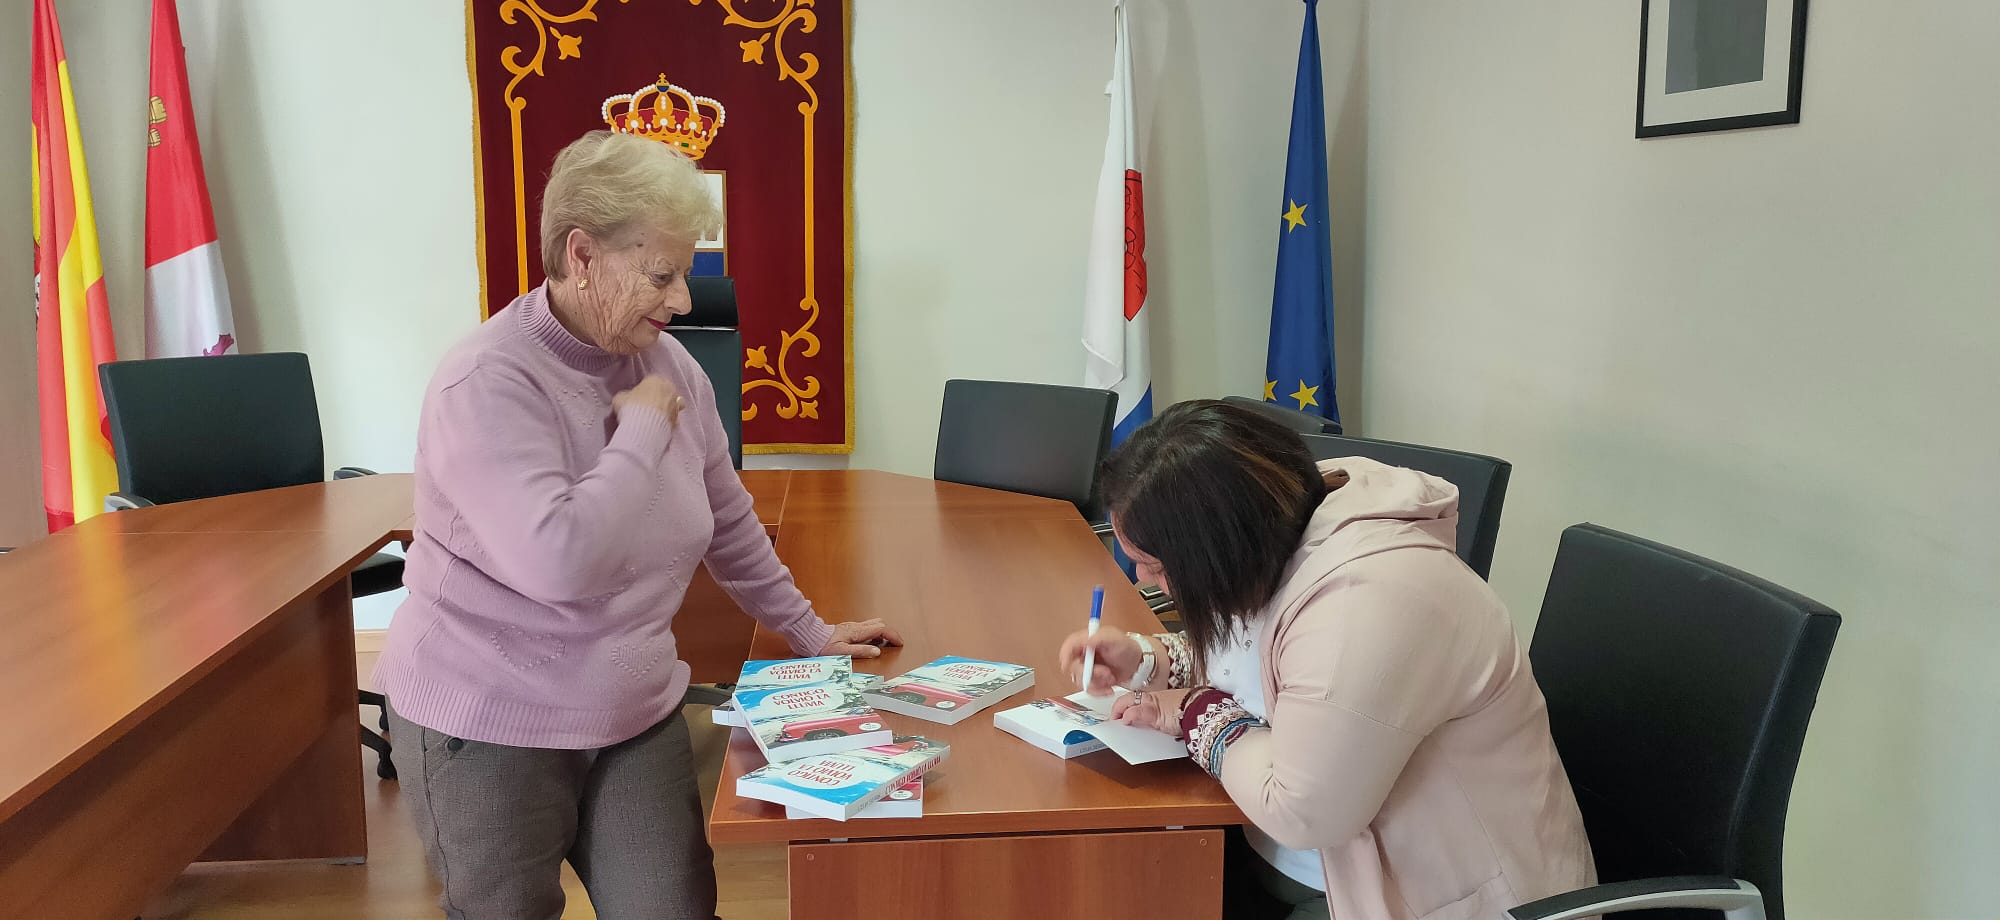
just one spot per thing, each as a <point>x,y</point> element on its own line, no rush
<point>668,114</point>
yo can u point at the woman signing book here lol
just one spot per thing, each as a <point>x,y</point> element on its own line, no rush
<point>1355,687</point>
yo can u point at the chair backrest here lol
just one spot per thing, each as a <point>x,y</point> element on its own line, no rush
<point>1032,438</point>
<point>1678,692</point>
<point>1481,482</point>
<point>709,332</point>
<point>187,428</point>
<point>1301,422</point>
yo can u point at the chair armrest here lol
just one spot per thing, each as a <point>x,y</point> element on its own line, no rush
<point>352,472</point>
<point>1737,899</point>
<point>705,695</point>
<point>124,501</point>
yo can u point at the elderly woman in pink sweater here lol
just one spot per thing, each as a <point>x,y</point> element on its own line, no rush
<point>1359,692</point>
<point>571,473</point>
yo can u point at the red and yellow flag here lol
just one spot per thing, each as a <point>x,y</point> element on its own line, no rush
<point>72,313</point>
<point>187,297</point>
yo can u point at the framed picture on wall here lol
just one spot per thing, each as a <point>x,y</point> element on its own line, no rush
<point>1714,65</point>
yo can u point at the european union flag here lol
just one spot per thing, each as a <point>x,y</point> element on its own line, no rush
<point>1298,368</point>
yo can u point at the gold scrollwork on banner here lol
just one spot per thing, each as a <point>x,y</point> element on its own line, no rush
<point>510,58</point>
<point>801,394</point>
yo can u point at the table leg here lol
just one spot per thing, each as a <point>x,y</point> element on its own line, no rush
<point>314,809</point>
<point>241,765</point>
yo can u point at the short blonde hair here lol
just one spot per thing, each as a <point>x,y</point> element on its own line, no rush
<point>607,184</point>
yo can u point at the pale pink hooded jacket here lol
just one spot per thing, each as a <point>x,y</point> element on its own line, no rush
<point>1409,742</point>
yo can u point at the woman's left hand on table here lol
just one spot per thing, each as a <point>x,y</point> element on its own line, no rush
<point>864,639</point>
<point>1159,710</point>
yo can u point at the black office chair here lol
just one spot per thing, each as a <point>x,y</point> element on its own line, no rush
<point>189,428</point>
<point>711,334</point>
<point>1301,422</point>
<point>1678,692</point>
<point>1481,482</point>
<point>1032,438</point>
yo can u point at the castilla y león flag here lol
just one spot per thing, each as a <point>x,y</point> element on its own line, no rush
<point>72,314</point>
<point>187,296</point>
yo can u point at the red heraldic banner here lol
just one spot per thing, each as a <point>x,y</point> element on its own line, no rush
<point>759,93</point>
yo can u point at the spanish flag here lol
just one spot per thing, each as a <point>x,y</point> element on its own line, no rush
<point>72,315</point>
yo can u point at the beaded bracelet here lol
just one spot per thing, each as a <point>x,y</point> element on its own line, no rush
<point>1180,662</point>
<point>1212,720</point>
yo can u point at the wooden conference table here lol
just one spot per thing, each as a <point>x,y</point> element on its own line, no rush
<point>180,685</point>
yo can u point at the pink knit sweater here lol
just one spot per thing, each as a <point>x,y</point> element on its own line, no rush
<point>555,541</point>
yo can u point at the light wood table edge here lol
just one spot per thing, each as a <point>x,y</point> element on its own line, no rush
<point>75,759</point>
<point>970,824</point>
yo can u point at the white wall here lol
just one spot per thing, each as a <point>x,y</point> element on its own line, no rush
<point>1773,347</point>
<point>1221,77</point>
<point>974,170</point>
<point>341,196</point>
<point>344,197</point>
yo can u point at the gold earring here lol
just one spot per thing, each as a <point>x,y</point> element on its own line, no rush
<point>582,283</point>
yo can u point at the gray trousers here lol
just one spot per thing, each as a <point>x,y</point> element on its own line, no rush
<point>498,821</point>
<point>1253,889</point>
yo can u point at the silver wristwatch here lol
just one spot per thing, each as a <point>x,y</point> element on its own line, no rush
<point>1144,675</point>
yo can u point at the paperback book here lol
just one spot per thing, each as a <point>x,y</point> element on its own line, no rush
<point>790,672</point>
<point>950,689</point>
<point>1079,724</point>
<point>905,801</point>
<point>807,720</point>
<point>841,786</point>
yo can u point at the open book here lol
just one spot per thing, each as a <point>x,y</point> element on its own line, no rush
<point>1079,724</point>
<point>840,786</point>
<point>950,689</point>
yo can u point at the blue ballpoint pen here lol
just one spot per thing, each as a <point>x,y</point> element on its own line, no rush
<point>1090,651</point>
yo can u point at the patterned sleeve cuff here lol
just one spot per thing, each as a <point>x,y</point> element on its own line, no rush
<point>1180,661</point>
<point>1212,721</point>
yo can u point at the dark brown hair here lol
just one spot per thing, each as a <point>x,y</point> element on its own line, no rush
<point>1220,495</point>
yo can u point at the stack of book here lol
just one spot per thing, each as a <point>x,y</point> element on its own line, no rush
<point>878,782</point>
<point>790,672</point>
<point>829,754</point>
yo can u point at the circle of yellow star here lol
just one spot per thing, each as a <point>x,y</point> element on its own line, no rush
<point>1270,391</point>
<point>1296,217</point>
<point>1305,395</point>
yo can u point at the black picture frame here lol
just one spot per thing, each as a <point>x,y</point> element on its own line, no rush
<point>1794,91</point>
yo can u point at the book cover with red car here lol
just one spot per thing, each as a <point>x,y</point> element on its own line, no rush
<point>808,720</point>
<point>950,689</point>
